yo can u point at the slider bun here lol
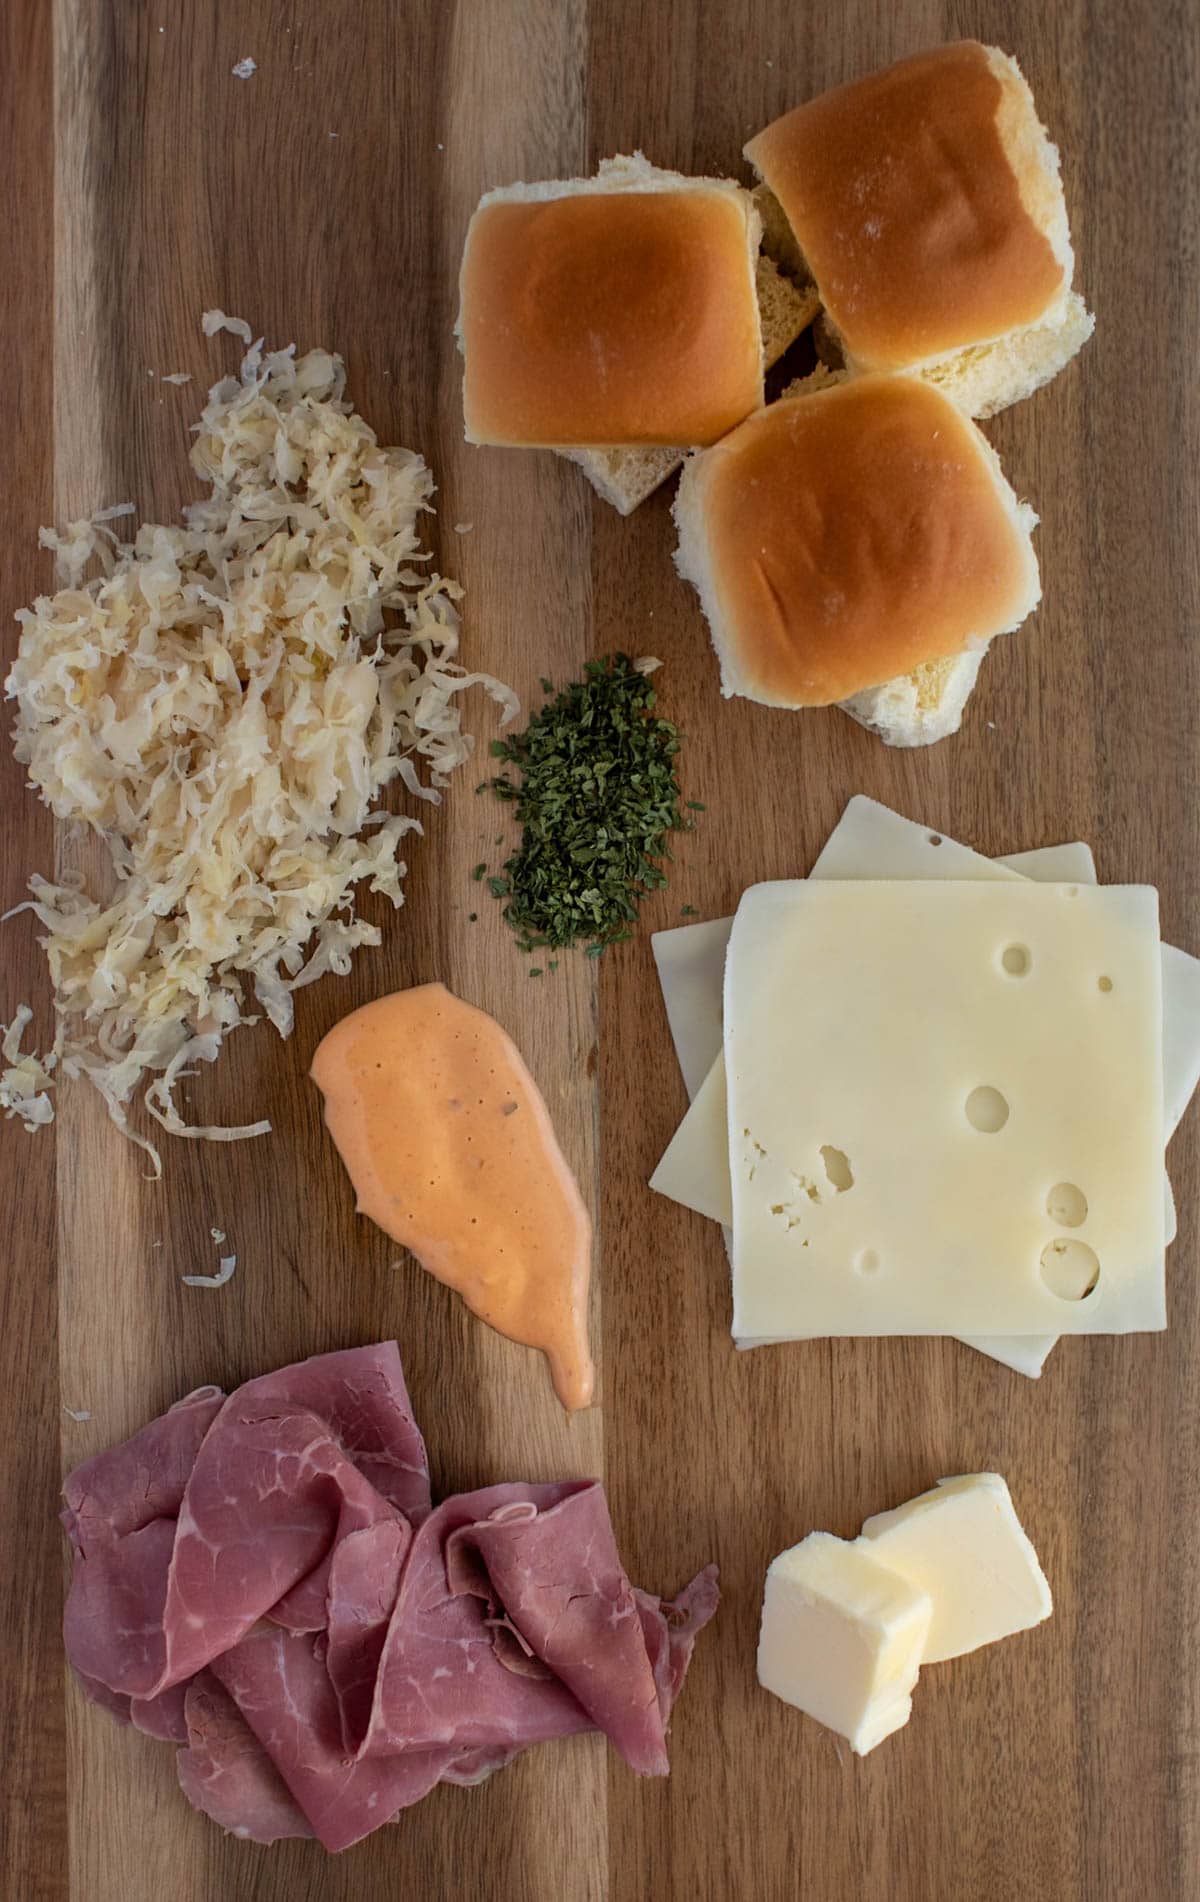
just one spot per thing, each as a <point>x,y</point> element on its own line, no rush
<point>842,539</point>
<point>625,477</point>
<point>928,204</point>
<point>611,311</point>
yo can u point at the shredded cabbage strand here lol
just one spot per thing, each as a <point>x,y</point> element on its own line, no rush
<point>224,703</point>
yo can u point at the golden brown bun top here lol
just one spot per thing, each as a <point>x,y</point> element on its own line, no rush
<point>909,193</point>
<point>852,536</point>
<point>610,318</point>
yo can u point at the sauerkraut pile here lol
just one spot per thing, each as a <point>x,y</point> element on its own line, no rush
<point>224,704</point>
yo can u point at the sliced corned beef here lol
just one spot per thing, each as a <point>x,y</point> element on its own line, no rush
<point>671,1627</point>
<point>142,1479</point>
<point>280,1685</point>
<point>164,1716</point>
<point>114,1702</point>
<point>226,1772</point>
<point>264,1579</point>
<point>446,1638</point>
<point>286,1469</point>
<point>551,1569</point>
<point>364,1578</point>
<point>114,1618</point>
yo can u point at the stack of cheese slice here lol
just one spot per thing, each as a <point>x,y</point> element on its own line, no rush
<point>847,1624</point>
<point>931,1093</point>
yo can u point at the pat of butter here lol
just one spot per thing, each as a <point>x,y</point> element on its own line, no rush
<point>842,1638</point>
<point>964,1546</point>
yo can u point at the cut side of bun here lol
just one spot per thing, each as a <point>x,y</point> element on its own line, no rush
<point>920,708</point>
<point>778,239</point>
<point>614,311</point>
<point>860,546</point>
<point>927,201</point>
<point>985,378</point>
<point>625,477</point>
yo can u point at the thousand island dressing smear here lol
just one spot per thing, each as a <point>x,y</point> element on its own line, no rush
<point>451,1150</point>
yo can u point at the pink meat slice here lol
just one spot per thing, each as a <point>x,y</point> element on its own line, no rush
<point>270,1500</point>
<point>448,1676</point>
<point>164,1716</point>
<point>263,1580</point>
<point>144,1478</point>
<point>670,1628</point>
<point>506,1593</point>
<point>551,1570</point>
<point>297,1461</point>
<point>282,1689</point>
<point>121,1514</point>
<point>364,1580</point>
<point>113,1620</point>
<point>114,1702</point>
<point>159,1717</point>
<point>288,1468</point>
<point>361,1395</point>
<point>226,1772</point>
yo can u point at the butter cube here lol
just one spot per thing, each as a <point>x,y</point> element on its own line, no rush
<point>842,1638</point>
<point>963,1545</point>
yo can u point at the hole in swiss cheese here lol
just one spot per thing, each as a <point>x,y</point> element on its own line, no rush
<point>1067,1205</point>
<point>987,1110</point>
<point>837,1168</point>
<point>1070,1269</point>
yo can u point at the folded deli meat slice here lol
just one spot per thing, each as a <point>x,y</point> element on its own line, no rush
<point>264,1580</point>
<point>280,1685</point>
<point>133,1485</point>
<point>226,1772</point>
<point>516,1618</point>
<point>181,1563</point>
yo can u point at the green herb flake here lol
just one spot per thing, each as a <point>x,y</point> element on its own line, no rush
<point>472,917</point>
<point>480,869</point>
<point>535,970</point>
<point>688,911</point>
<point>593,783</point>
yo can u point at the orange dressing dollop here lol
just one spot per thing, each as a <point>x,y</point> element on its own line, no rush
<point>451,1150</point>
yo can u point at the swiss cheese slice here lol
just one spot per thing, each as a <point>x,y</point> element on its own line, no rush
<point>694,1169</point>
<point>869,841</point>
<point>872,841</point>
<point>926,1138</point>
<point>691,972</point>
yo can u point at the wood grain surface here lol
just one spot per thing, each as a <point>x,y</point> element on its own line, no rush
<point>326,199</point>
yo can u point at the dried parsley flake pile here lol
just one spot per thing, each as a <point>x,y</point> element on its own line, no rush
<point>596,795</point>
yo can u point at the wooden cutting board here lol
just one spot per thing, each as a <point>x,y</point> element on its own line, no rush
<point>325,198</point>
